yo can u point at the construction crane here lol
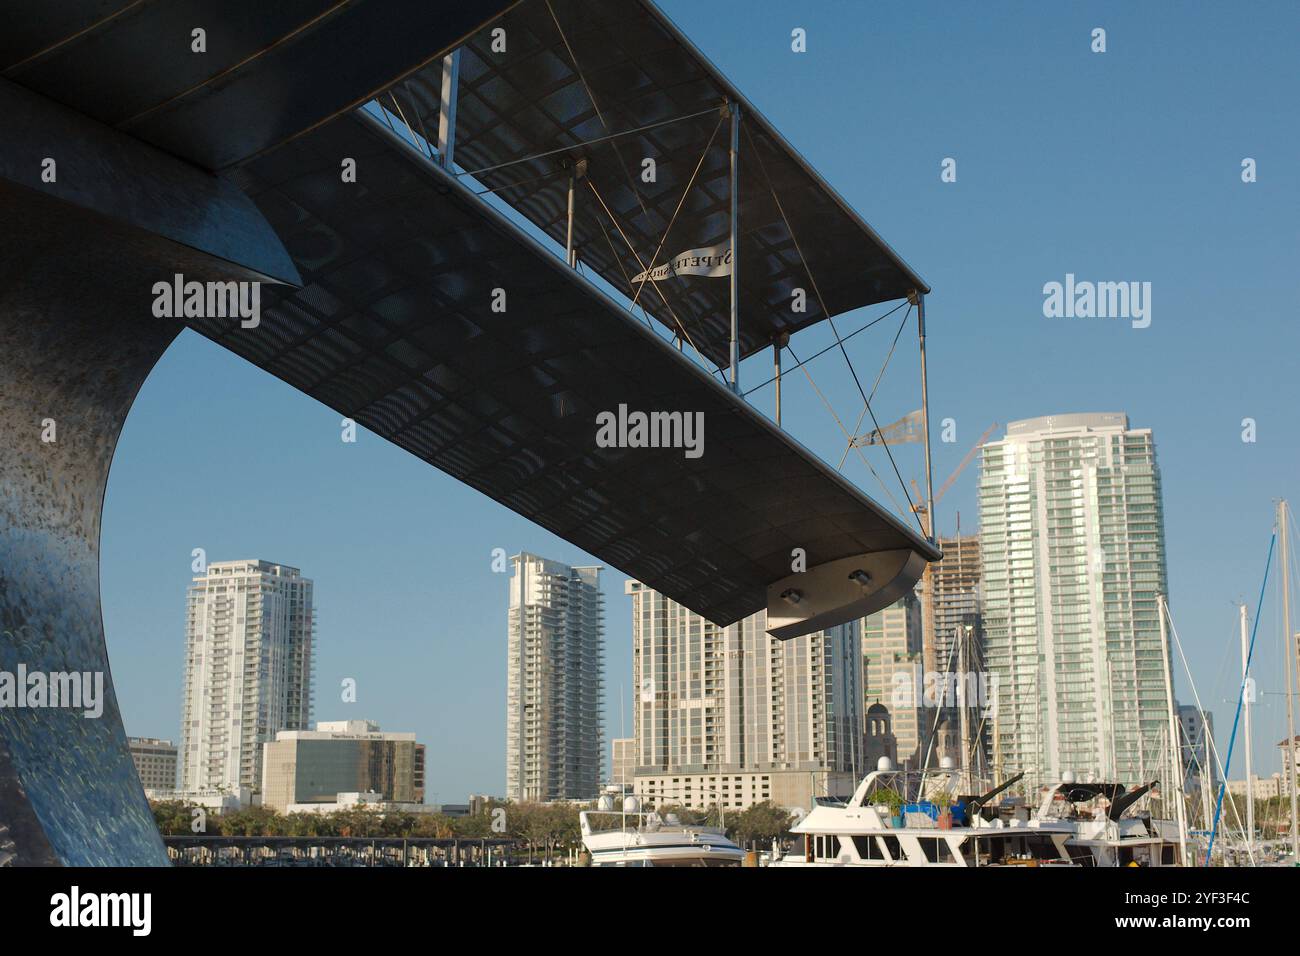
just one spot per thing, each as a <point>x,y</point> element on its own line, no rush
<point>921,507</point>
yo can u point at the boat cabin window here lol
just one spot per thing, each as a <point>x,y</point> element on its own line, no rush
<point>826,847</point>
<point>1013,847</point>
<point>1042,848</point>
<point>1083,856</point>
<point>992,850</point>
<point>868,848</point>
<point>936,849</point>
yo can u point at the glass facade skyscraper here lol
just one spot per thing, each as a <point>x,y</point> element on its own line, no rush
<point>249,628</point>
<point>555,681</point>
<point>1073,555</point>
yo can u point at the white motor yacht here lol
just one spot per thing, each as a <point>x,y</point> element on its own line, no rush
<point>1102,831</point>
<point>630,837</point>
<point>917,818</point>
<point>910,818</point>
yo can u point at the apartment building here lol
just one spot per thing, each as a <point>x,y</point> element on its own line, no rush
<point>555,681</point>
<point>1073,555</point>
<point>249,632</point>
<point>731,716</point>
<point>155,762</point>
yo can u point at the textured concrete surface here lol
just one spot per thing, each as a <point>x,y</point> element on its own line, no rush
<point>69,353</point>
<point>77,339</point>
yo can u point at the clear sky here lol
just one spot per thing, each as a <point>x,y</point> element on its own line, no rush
<point>1115,166</point>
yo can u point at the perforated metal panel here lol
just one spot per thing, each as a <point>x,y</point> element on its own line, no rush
<point>578,70</point>
<point>394,327</point>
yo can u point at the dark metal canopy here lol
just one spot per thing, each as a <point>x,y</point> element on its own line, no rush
<point>582,71</point>
<point>394,322</point>
<point>395,328</point>
<point>268,70</point>
<point>394,325</point>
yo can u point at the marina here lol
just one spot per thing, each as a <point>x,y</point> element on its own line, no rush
<point>450,446</point>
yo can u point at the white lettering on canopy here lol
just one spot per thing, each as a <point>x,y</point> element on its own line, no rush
<point>712,262</point>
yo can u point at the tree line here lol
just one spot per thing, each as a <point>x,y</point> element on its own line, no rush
<point>539,828</point>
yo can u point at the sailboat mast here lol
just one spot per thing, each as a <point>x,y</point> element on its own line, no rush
<point>1110,691</point>
<point>1175,748</point>
<point>1248,696</point>
<point>1206,760</point>
<point>1288,643</point>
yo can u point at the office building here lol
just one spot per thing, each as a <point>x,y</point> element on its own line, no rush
<point>1073,556</point>
<point>731,716</point>
<point>340,763</point>
<point>892,677</point>
<point>1196,731</point>
<point>555,681</point>
<point>623,763</point>
<point>1289,754</point>
<point>1263,788</point>
<point>250,627</point>
<point>155,762</point>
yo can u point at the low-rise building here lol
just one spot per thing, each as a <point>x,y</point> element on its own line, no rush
<point>482,802</point>
<point>739,790</point>
<point>1289,754</point>
<point>342,757</point>
<point>371,800</point>
<point>1265,788</point>
<point>219,801</point>
<point>155,762</point>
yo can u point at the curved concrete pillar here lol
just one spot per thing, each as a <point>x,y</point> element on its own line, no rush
<point>78,264</point>
<point>68,788</point>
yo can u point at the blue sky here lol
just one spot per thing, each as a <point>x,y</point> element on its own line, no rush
<point>1117,166</point>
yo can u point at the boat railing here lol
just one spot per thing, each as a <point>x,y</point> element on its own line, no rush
<point>614,821</point>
